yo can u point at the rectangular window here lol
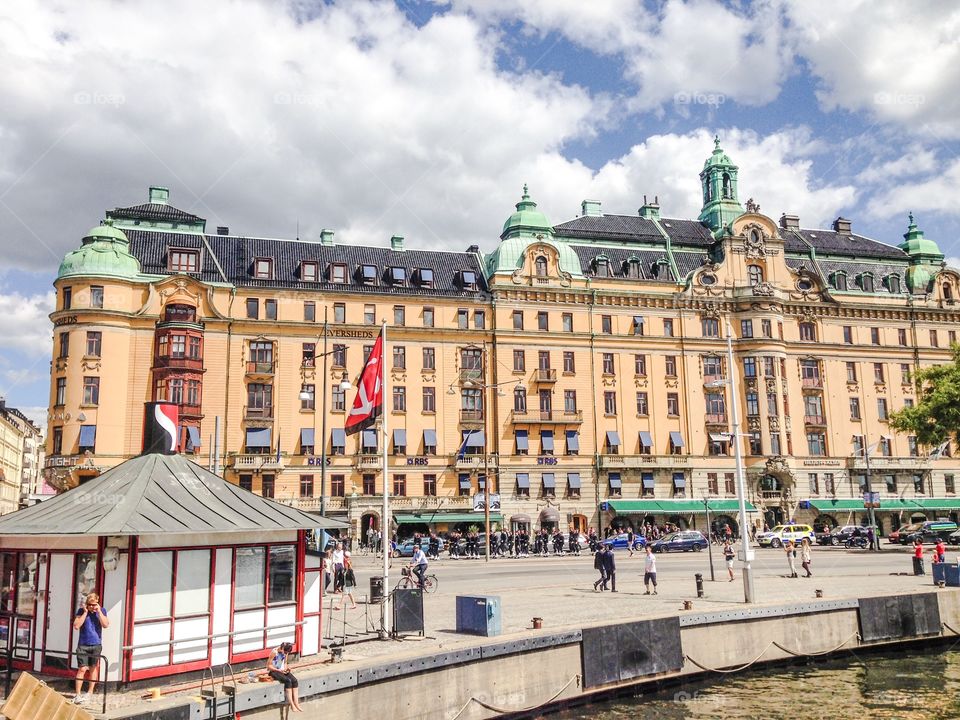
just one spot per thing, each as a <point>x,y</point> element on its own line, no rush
<point>673,404</point>
<point>848,334</point>
<point>399,398</point>
<point>309,271</point>
<point>808,332</point>
<point>543,321</point>
<point>463,318</point>
<point>878,373</point>
<point>306,486</point>
<point>775,443</point>
<point>253,309</point>
<point>307,403</point>
<point>270,309</point>
<point>753,403</point>
<point>568,362</point>
<point>246,482</point>
<point>904,374</point>
<point>519,361</point>
<point>902,337</point>
<point>429,358</point>
<point>61,398</point>
<point>570,401</point>
<point>746,328</point>
<point>951,337</point>
<point>543,359</point>
<point>339,313</point>
<point>520,400</point>
<point>263,268</point>
<point>643,406</point>
<point>875,336</point>
<point>339,355</point>
<point>91,390</point>
<point>772,404</point>
<point>608,368</point>
<point>814,483</point>
<point>429,400</point>
<point>638,323</point>
<point>338,273</point>
<point>369,315</point>
<point>606,324</point>
<point>67,298</point>
<point>338,399</point>
<point>934,339</point>
<point>948,484</point>
<point>769,366</point>
<point>428,317</point>
<point>610,403</point>
<point>425,277</point>
<point>749,367</point>
<point>337,485</point>
<point>308,354</point>
<point>368,274</point>
<point>881,408</point>
<point>479,320</point>
<point>851,372</point>
<point>566,322</point>
<point>640,365</point>
<point>816,444</point>
<point>399,357</point>
<point>185,261</point>
<point>667,327</point>
<point>430,485</point>
<point>766,328</point>
<point>670,365</point>
<point>710,327</point>
<point>756,446</point>
<point>309,312</point>
<point>96,296</point>
<point>399,315</point>
<point>400,485</point>
<point>268,486</point>
<point>854,408</point>
<point>93,343</point>
<point>517,319</point>
<point>369,483</point>
<point>712,485</point>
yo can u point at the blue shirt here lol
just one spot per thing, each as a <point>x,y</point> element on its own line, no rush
<point>90,632</point>
<point>419,558</point>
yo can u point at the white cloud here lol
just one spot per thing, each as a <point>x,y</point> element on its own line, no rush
<point>934,193</point>
<point>896,61</point>
<point>24,325</point>
<point>915,160</point>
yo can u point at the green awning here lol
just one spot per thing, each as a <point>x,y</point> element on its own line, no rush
<point>893,505</point>
<point>674,507</point>
<point>432,518</point>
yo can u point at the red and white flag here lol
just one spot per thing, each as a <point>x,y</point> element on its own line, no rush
<point>369,401</point>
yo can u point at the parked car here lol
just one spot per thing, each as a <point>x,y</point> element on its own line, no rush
<point>619,542</point>
<point>902,531</point>
<point>782,533</point>
<point>404,548</point>
<point>954,538</point>
<point>930,532</point>
<point>840,535</point>
<point>581,541</point>
<point>684,540</point>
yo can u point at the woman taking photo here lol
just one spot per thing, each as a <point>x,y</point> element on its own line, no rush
<point>277,669</point>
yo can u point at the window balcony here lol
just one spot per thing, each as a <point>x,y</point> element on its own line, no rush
<point>256,461</point>
<point>716,419</point>
<point>772,494</point>
<point>648,462</point>
<point>815,420</point>
<point>546,375</point>
<point>812,383</point>
<point>258,413</point>
<point>713,380</point>
<point>188,410</point>
<point>261,369</point>
<point>369,460</point>
<point>471,416</point>
<point>567,417</point>
<point>179,363</point>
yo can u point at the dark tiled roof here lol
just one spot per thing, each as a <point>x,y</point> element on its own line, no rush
<point>853,269</point>
<point>619,227</point>
<point>687,232</point>
<point>687,262</point>
<point>618,256</point>
<point>155,212</point>
<point>236,256</point>
<point>830,242</point>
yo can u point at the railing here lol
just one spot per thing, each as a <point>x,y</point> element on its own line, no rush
<point>547,416</point>
<point>10,657</point>
<point>643,461</point>
<point>546,375</point>
<point>812,382</point>
<point>369,460</point>
<point>877,462</point>
<point>471,415</point>
<point>771,494</point>
<point>256,461</point>
<point>258,413</point>
<point>185,363</point>
<point>716,419</point>
<point>818,420</point>
<point>259,368</point>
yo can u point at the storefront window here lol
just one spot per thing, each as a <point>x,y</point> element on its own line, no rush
<point>8,570</point>
<point>154,585</point>
<point>27,584</point>
<point>249,588</point>
<point>282,570</point>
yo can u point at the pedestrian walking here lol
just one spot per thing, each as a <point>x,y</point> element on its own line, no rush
<point>337,557</point>
<point>609,568</point>
<point>728,556</point>
<point>650,571</point>
<point>601,583</point>
<point>89,621</point>
<point>806,556</point>
<point>918,558</point>
<point>327,570</point>
<point>791,551</point>
<point>349,582</point>
<point>278,670</point>
<point>630,539</point>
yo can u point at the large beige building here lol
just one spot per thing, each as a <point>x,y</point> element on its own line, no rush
<point>21,458</point>
<point>582,366</point>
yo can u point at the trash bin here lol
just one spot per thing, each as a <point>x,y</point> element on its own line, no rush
<point>376,589</point>
<point>918,566</point>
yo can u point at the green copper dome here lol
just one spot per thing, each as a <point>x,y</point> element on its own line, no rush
<point>510,253</point>
<point>526,219</point>
<point>718,156</point>
<point>915,244</point>
<point>104,252</point>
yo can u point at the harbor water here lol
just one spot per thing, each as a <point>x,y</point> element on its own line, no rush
<point>903,686</point>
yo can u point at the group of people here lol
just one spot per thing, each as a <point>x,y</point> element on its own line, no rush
<point>605,562</point>
<point>338,569</point>
<point>806,557</point>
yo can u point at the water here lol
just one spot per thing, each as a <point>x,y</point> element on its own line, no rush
<point>920,684</point>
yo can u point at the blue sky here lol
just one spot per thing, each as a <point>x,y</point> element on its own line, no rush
<point>425,118</point>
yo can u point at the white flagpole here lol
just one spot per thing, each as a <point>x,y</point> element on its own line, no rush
<point>385,520</point>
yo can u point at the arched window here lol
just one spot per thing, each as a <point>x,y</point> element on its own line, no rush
<point>947,291</point>
<point>603,266</point>
<point>541,266</point>
<point>727,187</point>
<point>707,190</point>
<point>893,283</point>
<point>866,282</point>
<point>755,273</point>
<point>840,281</point>
<point>632,268</point>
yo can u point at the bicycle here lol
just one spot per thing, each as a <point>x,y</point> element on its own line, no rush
<point>409,581</point>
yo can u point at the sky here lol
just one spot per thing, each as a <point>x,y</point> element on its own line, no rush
<point>425,118</point>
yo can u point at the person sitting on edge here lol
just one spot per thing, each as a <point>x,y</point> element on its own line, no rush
<point>278,670</point>
<point>90,621</point>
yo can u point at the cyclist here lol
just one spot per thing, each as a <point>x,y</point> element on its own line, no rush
<point>419,565</point>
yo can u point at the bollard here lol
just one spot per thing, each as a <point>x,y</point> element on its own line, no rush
<point>688,604</point>
<point>818,593</point>
<point>537,623</point>
<point>699,579</point>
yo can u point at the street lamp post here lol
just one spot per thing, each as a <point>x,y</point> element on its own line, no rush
<point>871,515</point>
<point>706,509</point>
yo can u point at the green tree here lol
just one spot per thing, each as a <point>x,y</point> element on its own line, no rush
<point>936,415</point>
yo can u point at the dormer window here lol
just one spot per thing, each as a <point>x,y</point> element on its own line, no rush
<point>893,284</point>
<point>425,277</point>
<point>631,268</point>
<point>309,271</point>
<point>368,274</point>
<point>184,261</point>
<point>263,268</point>
<point>468,279</point>
<point>338,273</point>
<point>866,282</point>
<point>840,281</point>
<point>602,265</point>
<point>540,265</point>
<point>398,275</point>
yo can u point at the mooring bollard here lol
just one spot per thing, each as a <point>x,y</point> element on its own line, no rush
<point>818,593</point>
<point>688,604</point>
<point>537,623</point>
<point>699,579</point>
